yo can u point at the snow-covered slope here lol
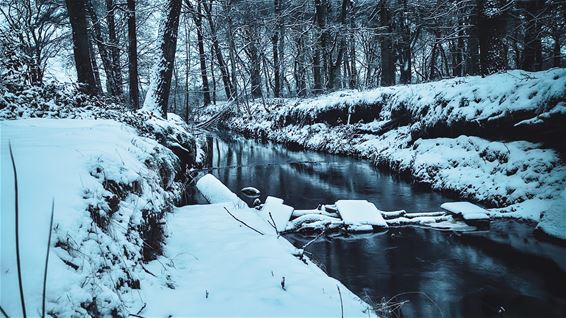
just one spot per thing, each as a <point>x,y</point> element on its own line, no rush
<point>463,135</point>
<point>221,268</point>
<point>110,187</point>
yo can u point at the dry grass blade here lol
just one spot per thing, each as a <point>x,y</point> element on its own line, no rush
<point>43,313</point>
<point>341,303</point>
<point>19,264</point>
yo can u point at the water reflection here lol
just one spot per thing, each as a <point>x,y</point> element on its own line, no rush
<point>306,179</point>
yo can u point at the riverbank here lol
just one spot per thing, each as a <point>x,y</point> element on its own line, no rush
<point>107,174</point>
<point>118,245</point>
<point>464,136</point>
<point>110,188</point>
<point>216,266</point>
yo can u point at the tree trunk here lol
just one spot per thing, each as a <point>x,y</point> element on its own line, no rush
<point>556,58</point>
<point>386,44</point>
<point>187,69</point>
<point>202,56</point>
<point>228,87</point>
<point>405,58</point>
<point>85,73</point>
<point>94,63</point>
<point>353,83</point>
<point>492,29</point>
<point>133,56</point>
<point>114,48</point>
<point>335,66</point>
<point>102,51</point>
<point>232,50</point>
<point>213,79</point>
<point>434,71</point>
<point>300,67</point>
<point>157,98</point>
<point>473,45</point>
<point>319,59</point>
<point>532,54</point>
<point>275,39</point>
<point>255,66</point>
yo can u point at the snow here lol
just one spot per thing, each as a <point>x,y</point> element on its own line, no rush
<point>250,191</point>
<point>469,211</point>
<point>275,211</point>
<point>215,191</point>
<point>553,221</point>
<point>68,162</point>
<point>226,269</point>
<point>357,213</point>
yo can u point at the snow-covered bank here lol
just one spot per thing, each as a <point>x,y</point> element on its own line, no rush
<point>111,189</point>
<point>219,267</point>
<point>430,133</point>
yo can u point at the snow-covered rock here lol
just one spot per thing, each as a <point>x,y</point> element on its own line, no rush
<point>469,212</point>
<point>250,191</point>
<point>274,210</point>
<point>359,214</point>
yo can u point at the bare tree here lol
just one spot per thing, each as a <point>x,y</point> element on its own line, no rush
<point>133,56</point>
<point>81,46</point>
<point>157,98</point>
<point>37,26</point>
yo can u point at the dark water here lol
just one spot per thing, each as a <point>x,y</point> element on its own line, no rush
<point>503,272</point>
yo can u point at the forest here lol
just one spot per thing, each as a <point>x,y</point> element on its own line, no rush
<point>204,51</point>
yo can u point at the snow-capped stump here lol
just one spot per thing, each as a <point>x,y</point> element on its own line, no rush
<point>274,211</point>
<point>251,192</point>
<point>358,215</point>
<point>471,213</point>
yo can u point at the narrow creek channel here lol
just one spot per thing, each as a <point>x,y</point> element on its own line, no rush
<point>502,272</point>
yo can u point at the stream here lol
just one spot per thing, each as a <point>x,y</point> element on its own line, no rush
<point>502,272</point>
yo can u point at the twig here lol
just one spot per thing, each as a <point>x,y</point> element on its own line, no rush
<point>273,225</point>
<point>47,259</point>
<point>341,303</point>
<point>141,309</point>
<point>244,223</point>
<point>4,312</point>
<point>314,239</point>
<point>17,234</point>
<point>147,271</point>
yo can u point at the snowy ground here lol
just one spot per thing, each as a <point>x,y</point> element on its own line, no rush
<point>104,181</point>
<point>219,267</point>
<point>447,134</point>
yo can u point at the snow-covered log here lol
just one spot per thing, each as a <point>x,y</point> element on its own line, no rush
<point>215,191</point>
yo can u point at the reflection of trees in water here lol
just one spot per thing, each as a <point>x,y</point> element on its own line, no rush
<point>306,179</point>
